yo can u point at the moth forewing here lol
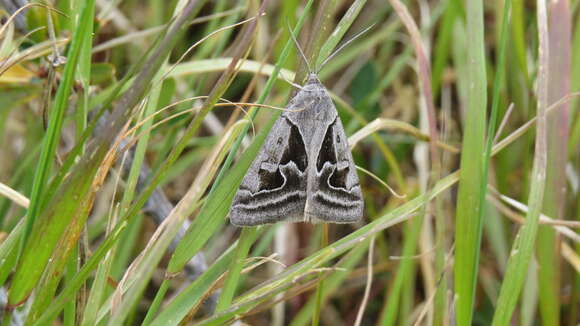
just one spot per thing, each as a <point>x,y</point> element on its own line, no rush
<point>304,171</point>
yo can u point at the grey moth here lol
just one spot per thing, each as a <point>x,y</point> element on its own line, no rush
<point>304,171</point>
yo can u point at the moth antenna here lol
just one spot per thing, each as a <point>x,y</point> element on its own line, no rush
<point>298,47</point>
<point>333,54</point>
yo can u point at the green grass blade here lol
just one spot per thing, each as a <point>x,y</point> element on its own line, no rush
<point>468,218</point>
<point>523,247</point>
<point>497,84</point>
<point>247,237</point>
<point>554,202</point>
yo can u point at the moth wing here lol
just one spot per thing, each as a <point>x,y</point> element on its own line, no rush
<point>274,188</point>
<point>335,195</point>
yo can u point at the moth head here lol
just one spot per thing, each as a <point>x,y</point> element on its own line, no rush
<point>312,79</point>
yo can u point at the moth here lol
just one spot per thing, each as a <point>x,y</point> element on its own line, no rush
<point>304,171</point>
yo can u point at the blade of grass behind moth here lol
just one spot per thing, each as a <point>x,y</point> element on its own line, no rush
<point>523,246</point>
<point>218,203</point>
<point>548,243</point>
<point>318,31</point>
<point>341,28</point>
<point>76,194</point>
<point>468,219</point>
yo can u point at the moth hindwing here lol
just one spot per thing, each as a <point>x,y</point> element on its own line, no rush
<point>304,171</point>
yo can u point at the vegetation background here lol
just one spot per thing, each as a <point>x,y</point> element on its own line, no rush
<point>126,127</point>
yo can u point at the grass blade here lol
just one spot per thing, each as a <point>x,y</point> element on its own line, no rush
<point>523,247</point>
<point>554,202</point>
<point>468,218</point>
